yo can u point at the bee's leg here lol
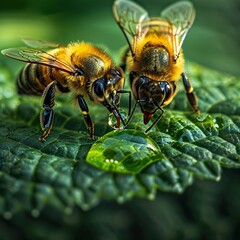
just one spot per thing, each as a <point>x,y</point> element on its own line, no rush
<point>190,94</point>
<point>61,88</point>
<point>87,118</point>
<point>158,105</point>
<point>47,115</point>
<point>131,114</point>
<point>156,120</point>
<point>129,103</point>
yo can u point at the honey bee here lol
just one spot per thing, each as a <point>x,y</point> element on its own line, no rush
<point>80,68</point>
<point>155,59</point>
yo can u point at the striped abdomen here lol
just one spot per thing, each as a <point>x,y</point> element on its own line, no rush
<point>34,78</point>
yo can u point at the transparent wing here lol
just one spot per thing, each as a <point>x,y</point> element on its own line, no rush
<point>129,17</point>
<point>181,16</point>
<point>30,55</point>
<point>40,44</point>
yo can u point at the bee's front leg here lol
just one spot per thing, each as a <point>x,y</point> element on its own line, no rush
<point>87,118</point>
<point>190,94</point>
<point>47,114</point>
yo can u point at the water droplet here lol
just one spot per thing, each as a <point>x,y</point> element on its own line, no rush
<point>203,117</point>
<point>112,121</point>
<point>216,125</point>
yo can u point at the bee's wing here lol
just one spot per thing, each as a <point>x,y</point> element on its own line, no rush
<point>129,17</point>
<point>30,55</point>
<point>40,44</point>
<point>181,15</point>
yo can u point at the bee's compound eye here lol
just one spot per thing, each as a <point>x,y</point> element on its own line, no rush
<point>99,89</point>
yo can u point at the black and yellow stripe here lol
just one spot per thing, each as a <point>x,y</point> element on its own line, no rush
<point>34,78</point>
<point>29,82</point>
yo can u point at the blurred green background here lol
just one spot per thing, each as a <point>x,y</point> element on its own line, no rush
<point>206,210</point>
<point>213,41</point>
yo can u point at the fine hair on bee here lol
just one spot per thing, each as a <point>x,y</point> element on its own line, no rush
<point>154,59</point>
<point>80,68</point>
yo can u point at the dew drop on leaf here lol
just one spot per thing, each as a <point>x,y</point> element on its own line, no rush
<point>215,123</point>
<point>124,151</point>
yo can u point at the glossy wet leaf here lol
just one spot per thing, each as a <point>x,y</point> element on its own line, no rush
<point>124,151</point>
<point>183,147</point>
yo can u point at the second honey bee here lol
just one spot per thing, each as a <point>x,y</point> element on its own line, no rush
<point>155,60</point>
<point>81,68</point>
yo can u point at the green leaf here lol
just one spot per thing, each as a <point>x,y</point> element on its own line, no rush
<point>70,170</point>
<point>124,151</point>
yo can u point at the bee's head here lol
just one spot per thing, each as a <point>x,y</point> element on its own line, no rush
<point>106,90</point>
<point>151,95</point>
